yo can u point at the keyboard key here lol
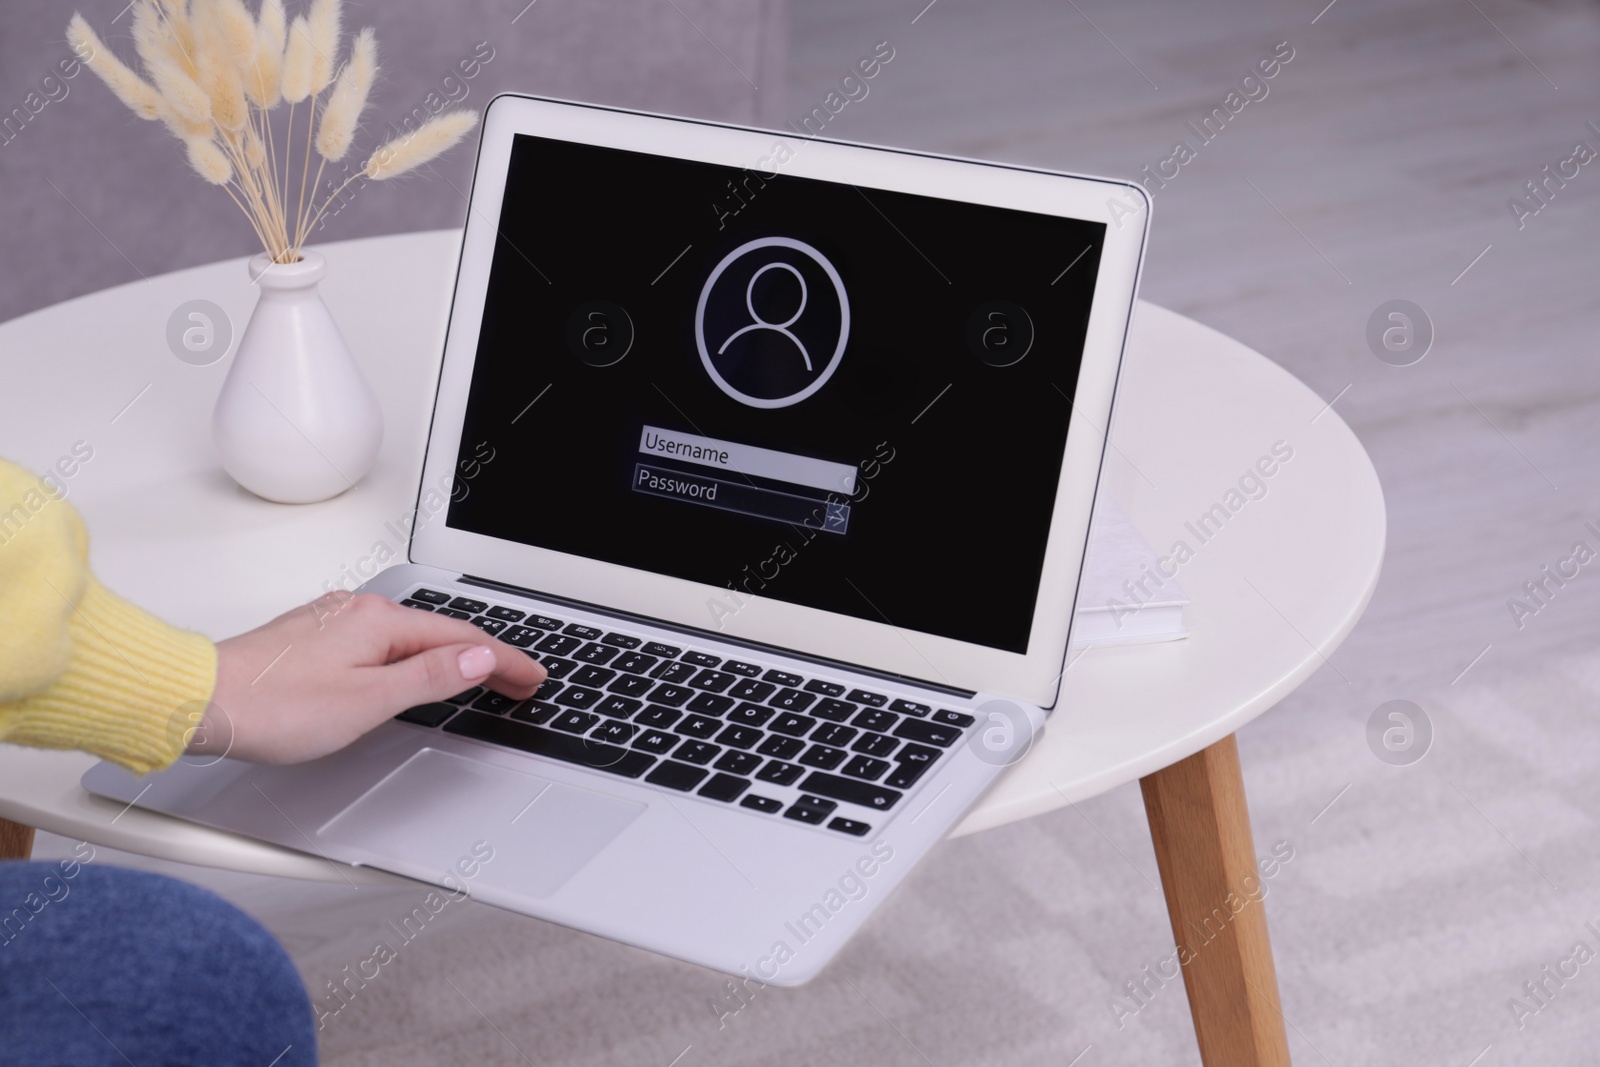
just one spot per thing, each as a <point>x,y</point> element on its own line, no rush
<point>578,629</point>
<point>521,636</point>
<point>905,775</point>
<point>557,667</point>
<point>724,787</point>
<point>504,614</point>
<point>671,695</point>
<point>738,762</point>
<point>594,653</point>
<point>565,747</point>
<point>495,703</point>
<point>909,707</point>
<point>699,726</point>
<point>591,676</point>
<point>696,752</point>
<point>488,625</point>
<point>929,732</point>
<point>549,689</point>
<point>618,733</point>
<point>827,689</point>
<point>782,747</point>
<point>739,736</point>
<point>543,622</point>
<point>911,764</point>
<point>831,733</point>
<point>851,791</point>
<point>777,677</point>
<point>676,673</point>
<point>558,645</point>
<point>701,659</point>
<point>618,707</point>
<point>676,775</point>
<point>575,696</point>
<point>419,605</point>
<point>634,663</point>
<point>779,773</point>
<point>765,804</point>
<point>866,767</point>
<point>861,696</point>
<point>461,603</point>
<point>454,613</point>
<point>810,810</point>
<point>631,685</point>
<point>657,716</point>
<point>822,756</point>
<point>469,696</point>
<point>792,700</point>
<point>574,722</point>
<point>834,710</point>
<point>750,714</point>
<point>656,742</point>
<point>713,681</point>
<point>430,714</point>
<point>874,744</point>
<point>953,718</point>
<point>656,648</point>
<point>431,596</point>
<point>621,640</point>
<point>747,670</point>
<point>538,713</point>
<point>793,725</point>
<point>709,704</point>
<point>750,689</point>
<point>849,826</point>
<point>873,719</point>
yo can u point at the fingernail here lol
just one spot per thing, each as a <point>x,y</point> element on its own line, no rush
<point>476,662</point>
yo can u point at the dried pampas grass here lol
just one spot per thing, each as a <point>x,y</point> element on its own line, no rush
<point>323,19</point>
<point>132,90</point>
<point>264,83</point>
<point>213,73</point>
<point>348,99</point>
<point>412,150</point>
<point>209,162</point>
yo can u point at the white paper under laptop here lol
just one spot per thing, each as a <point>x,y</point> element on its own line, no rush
<point>780,456</point>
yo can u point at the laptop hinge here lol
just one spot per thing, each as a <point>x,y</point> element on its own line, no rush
<point>720,638</point>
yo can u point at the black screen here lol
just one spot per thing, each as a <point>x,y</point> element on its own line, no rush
<point>661,383</point>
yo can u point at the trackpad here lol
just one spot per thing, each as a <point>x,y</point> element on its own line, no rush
<point>438,809</point>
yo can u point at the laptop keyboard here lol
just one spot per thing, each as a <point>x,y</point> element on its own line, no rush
<point>731,731</point>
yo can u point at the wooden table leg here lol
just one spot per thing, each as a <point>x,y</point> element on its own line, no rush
<point>16,840</point>
<point>1201,827</point>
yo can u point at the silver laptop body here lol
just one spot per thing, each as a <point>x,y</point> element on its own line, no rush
<point>721,341</point>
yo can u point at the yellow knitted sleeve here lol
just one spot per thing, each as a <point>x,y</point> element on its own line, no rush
<point>80,667</point>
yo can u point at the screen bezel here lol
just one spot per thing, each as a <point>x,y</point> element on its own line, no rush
<point>881,646</point>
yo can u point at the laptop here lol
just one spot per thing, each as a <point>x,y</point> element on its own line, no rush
<point>779,454</point>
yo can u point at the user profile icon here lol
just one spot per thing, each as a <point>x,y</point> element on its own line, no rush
<point>599,332</point>
<point>772,322</point>
<point>1000,333</point>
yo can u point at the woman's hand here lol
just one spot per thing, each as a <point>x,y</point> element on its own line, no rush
<point>311,681</point>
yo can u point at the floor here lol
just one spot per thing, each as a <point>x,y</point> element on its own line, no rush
<point>1419,899</point>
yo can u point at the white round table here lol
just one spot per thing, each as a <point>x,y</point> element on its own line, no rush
<point>1287,568</point>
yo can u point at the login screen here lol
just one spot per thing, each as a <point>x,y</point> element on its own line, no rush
<point>836,396</point>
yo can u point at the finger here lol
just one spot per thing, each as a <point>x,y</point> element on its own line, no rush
<point>393,632</point>
<point>442,672</point>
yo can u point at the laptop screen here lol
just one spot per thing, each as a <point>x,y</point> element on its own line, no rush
<point>850,399</point>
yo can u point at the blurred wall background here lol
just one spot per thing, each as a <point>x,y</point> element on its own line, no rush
<point>91,196</point>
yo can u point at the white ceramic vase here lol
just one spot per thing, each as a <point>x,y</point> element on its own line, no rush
<point>296,421</point>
